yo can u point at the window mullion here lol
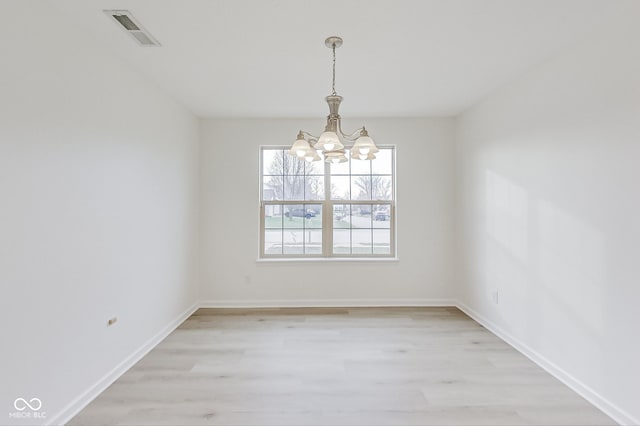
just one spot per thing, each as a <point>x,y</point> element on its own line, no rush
<point>327,216</point>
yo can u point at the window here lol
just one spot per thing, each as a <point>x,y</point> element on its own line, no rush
<point>326,210</point>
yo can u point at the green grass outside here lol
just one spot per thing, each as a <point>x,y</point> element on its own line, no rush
<point>301,222</point>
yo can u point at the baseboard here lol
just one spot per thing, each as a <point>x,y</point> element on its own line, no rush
<point>75,406</point>
<point>606,406</point>
<point>576,385</point>
<point>324,303</point>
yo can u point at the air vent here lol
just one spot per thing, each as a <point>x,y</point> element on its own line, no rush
<point>133,27</point>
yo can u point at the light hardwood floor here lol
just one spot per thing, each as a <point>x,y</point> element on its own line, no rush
<point>355,366</point>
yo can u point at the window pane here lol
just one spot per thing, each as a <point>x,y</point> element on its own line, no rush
<point>273,241</point>
<point>272,188</point>
<point>313,216</point>
<point>341,216</point>
<point>361,241</point>
<point>360,167</point>
<point>303,216</point>
<point>341,241</point>
<point>361,187</point>
<point>294,188</point>
<point>273,216</point>
<point>340,188</point>
<point>381,188</point>
<point>341,168</point>
<point>293,166</point>
<point>298,187</point>
<point>382,165</point>
<point>294,216</point>
<point>293,242</point>
<point>381,241</point>
<point>272,162</point>
<point>314,188</point>
<point>381,216</point>
<point>361,216</point>
<point>315,168</point>
<point>313,241</point>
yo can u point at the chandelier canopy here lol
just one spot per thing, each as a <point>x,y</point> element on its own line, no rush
<point>333,141</point>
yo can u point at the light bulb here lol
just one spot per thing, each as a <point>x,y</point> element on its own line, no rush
<point>299,147</point>
<point>364,146</point>
<point>311,155</point>
<point>335,157</point>
<point>329,141</point>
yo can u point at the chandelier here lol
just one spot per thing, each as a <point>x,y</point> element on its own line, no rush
<point>331,143</point>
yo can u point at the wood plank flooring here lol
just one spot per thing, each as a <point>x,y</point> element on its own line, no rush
<point>352,366</point>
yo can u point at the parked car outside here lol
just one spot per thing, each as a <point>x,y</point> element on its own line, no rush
<point>381,215</point>
<point>301,213</point>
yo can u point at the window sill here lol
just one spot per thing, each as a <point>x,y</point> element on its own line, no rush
<point>326,259</point>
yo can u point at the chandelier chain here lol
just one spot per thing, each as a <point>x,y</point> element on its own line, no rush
<point>333,84</point>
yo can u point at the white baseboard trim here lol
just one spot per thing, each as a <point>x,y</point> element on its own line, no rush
<point>610,409</point>
<point>325,303</point>
<point>75,406</point>
<point>606,406</point>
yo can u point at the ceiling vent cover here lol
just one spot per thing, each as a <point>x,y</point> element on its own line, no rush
<point>125,19</point>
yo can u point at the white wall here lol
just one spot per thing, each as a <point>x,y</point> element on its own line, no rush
<point>98,210</point>
<point>99,214</point>
<point>549,207</point>
<point>230,196</point>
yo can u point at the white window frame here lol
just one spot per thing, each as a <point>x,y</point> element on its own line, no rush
<point>327,213</point>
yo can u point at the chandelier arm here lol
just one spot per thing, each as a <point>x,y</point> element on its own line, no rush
<point>350,137</point>
<point>311,137</point>
<point>353,136</point>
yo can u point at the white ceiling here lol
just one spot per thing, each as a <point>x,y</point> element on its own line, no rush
<point>266,58</point>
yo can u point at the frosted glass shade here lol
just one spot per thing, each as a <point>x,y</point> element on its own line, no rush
<point>359,156</point>
<point>299,148</point>
<point>312,155</point>
<point>329,141</point>
<point>364,146</point>
<point>335,157</point>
